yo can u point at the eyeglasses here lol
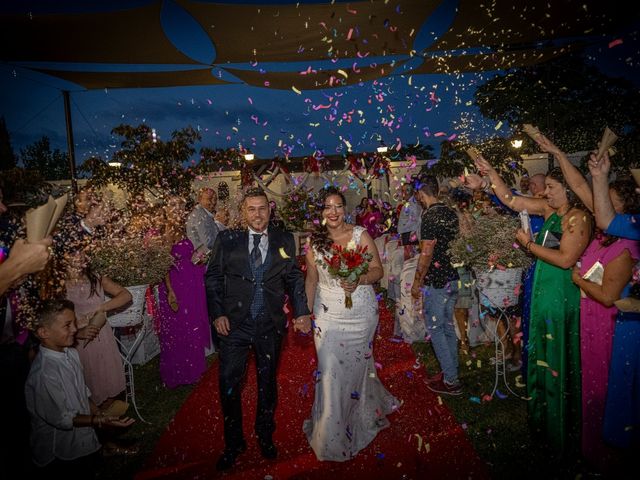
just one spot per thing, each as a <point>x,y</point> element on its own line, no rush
<point>334,207</point>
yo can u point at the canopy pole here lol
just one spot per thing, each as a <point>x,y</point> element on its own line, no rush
<point>70,147</point>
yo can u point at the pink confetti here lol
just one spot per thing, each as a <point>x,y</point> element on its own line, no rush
<point>615,43</point>
<point>349,34</point>
<point>250,100</point>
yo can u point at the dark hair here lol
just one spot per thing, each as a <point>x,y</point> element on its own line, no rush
<point>320,235</point>
<point>572,198</point>
<point>50,310</point>
<point>255,192</point>
<point>428,184</point>
<point>626,190</point>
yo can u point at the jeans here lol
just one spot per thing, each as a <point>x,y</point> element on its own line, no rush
<point>438,320</point>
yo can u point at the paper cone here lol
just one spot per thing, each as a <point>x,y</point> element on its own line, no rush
<point>38,220</point>
<point>530,130</point>
<point>473,153</point>
<point>636,175</point>
<point>61,202</point>
<point>116,409</point>
<point>608,139</point>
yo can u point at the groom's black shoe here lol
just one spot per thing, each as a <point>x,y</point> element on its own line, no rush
<point>228,457</point>
<point>268,448</point>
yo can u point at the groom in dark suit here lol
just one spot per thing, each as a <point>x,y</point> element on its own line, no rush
<point>249,274</point>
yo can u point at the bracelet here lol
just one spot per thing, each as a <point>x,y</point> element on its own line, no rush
<point>527,246</point>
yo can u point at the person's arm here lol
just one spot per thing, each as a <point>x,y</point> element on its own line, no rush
<point>576,232</point>
<point>615,277</point>
<point>24,258</point>
<point>602,206</point>
<point>571,174</point>
<point>375,271</point>
<point>424,262</point>
<point>120,296</point>
<point>535,206</point>
<point>172,300</point>
<point>214,280</point>
<point>296,286</point>
<point>311,279</point>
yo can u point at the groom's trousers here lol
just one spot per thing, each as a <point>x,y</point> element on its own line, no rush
<point>260,334</point>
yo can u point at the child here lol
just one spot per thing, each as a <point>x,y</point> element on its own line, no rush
<point>63,417</point>
<point>97,347</point>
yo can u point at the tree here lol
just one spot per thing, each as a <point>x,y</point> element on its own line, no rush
<point>570,101</point>
<point>147,163</point>
<point>52,165</point>
<point>7,157</point>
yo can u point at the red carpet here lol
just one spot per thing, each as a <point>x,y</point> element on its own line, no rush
<point>423,441</point>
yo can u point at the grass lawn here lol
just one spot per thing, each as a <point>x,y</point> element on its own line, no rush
<point>497,428</point>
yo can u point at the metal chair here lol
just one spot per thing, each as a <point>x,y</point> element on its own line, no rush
<point>133,316</point>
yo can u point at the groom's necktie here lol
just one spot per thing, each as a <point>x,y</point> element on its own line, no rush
<point>256,256</point>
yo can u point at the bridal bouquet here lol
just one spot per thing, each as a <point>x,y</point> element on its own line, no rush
<point>348,264</point>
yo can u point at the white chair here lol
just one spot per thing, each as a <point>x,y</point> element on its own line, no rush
<point>132,316</point>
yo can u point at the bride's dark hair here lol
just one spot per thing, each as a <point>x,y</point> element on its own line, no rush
<point>320,235</point>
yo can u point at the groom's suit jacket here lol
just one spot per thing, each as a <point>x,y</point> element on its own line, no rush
<point>231,285</point>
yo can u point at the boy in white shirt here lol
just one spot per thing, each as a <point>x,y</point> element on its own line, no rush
<point>63,417</point>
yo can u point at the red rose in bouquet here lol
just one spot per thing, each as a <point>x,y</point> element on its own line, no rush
<point>348,264</point>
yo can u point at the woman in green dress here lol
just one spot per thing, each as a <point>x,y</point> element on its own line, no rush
<point>553,381</point>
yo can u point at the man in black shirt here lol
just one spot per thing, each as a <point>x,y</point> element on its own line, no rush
<point>436,283</point>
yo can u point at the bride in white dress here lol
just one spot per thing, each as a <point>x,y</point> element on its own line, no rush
<point>350,404</point>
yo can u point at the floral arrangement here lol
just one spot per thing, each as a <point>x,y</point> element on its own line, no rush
<point>132,261</point>
<point>489,244</point>
<point>348,264</point>
<point>297,209</point>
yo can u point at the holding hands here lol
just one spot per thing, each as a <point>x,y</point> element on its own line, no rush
<point>302,324</point>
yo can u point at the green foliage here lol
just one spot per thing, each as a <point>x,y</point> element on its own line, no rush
<point>498,150</point>
<point>297,208</point>
<point>51,165</point>
<point>21,185</point>
<point>570,102</point>
<point>490,244</point>
<point>147,162</point>
<point>7,157</point>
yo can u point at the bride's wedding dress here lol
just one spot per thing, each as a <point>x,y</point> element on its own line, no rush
<point>351,404</point>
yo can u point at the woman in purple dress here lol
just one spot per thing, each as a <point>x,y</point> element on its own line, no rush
<point>183,330</point>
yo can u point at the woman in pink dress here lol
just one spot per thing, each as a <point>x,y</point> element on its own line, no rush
<point>184,329</point>
<point>96,344</point>
<point>597,321</point>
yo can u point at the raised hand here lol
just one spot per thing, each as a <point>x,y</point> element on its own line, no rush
<point>302,324</point>
<point>473,181</point>
<point>483,165</point>
<point>547,145</point>
<point>599,168</point>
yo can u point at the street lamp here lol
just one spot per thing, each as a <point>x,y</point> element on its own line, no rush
<point>249,156</point>
<point>516,143</point>
<point>115,164</point>
<point>382,148</point>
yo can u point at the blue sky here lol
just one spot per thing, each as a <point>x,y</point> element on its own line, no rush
<point>267,121</point>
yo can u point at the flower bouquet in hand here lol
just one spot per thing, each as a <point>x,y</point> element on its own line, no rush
<point>348,264</point>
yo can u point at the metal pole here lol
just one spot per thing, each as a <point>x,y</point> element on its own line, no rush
<point>70,147</point>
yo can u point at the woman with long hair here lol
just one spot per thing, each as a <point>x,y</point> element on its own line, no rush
<point>553,371</point>
<point>97,347</point>
<point>616,257</point>
<point>339,427</point>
